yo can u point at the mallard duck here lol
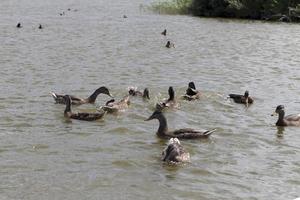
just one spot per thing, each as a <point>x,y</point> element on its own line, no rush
<point>290,120</point>
<point>243,99</point>
<point>78,101</point>
<point>80,116</point>
<point>174,152</point>
<point>169,44</point>
<point>112,106</point>
<point>191,92</point>
<point>134,92</point>
<point>19,25</point>
<point>186,133</point>
<point>164,32</point>
<point>170,102</point>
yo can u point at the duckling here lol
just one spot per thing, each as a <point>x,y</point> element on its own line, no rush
<point>78,101</point>
<point>243,99</point>
<point>174,152</point>
<point>80,116</point>
<point>169,44</point>
<point>19,25</point>
<point>290,120</point>
<point>113,107</point>
<point>191,92</point>
<point>134,92</point>
<point>164,32</point>
<point>168,103</point>
<point>186,133</point>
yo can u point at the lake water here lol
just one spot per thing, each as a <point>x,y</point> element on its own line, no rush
<point>43,156</point>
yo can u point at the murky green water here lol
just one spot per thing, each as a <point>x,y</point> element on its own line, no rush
<point>42,156</point>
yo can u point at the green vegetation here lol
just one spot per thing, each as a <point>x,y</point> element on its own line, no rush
<point>281,10</point>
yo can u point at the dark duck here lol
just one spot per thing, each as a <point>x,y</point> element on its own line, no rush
<point>80,116</point>
<point>170,102</point>
<point>289,120</point>
<point>185,133</point>
<point>243,99</point>
<point>164,32</point>
<point>78,101</point>
<point>191,92</point>
<point>175,153</point>
<point>134,92</point>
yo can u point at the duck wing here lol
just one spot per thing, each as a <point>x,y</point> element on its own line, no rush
<point>189,133</point>
<point>87,116</point>
<point>293,117</point>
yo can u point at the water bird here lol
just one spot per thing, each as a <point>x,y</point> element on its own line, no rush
<point>40,26</point>
<point>134,92</point>
<point>174,152</point>
<point>191,92</point>
<point>170,102</point>
<point>185,133</point>
<point>164,32</point>
<point>124,16</point>
<point>290,120</point>
<point>113,107</point>
<point>78,101</point>
<point>19,25</point>
<point>79,116</point>
<point>61,14</point>
<point>243,99</point>
<point>169,45</point>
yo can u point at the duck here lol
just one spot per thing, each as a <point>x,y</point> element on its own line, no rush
<point>191,92</point>
<point>243,99</point>
<point>290,120</point>
<point>185,133</point>
<point>169,44</point>
<point>19,25</point>
<point>78,101</point>
<point>112,106</point>
<point>174,152</point>
<point>79,116</point>
<point>170,102</point>
<point>40,26</point>
<point>134,92</point>
<point>164,32</point>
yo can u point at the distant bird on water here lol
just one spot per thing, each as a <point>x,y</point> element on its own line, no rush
<point>164,32</point>
<point>124,16</point>
<point>19,25</point>
<point>40,26</point>
<point>169,45</point>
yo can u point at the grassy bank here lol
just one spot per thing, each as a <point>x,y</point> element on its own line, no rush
<point>172,6</point>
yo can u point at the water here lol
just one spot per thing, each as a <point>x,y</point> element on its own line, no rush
<point>43,156</point>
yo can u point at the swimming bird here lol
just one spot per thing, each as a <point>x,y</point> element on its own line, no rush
<point>174,152</point>
<point>164,32</point>
<point>80,116</point>
<point>169,45</point>
<point>290,120</point>
<point>19,25</point>
<point>243,99</point>
<point>191,92</point>
<point>134,92</point>
<point>113,107</point>
<point>170,102</point>
<point>186,133</point>
<point>40,26</point>
<point>78,101</point>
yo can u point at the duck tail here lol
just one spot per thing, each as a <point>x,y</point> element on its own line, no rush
<point>209,132</point>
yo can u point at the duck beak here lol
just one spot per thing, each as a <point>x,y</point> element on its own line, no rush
<point>274,114</point>
<point>150,118</point>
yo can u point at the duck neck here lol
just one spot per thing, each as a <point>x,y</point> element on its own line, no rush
<point>93,97</point>
<point>68,108</point>
<point>163,126</point>
<point>280,120</point>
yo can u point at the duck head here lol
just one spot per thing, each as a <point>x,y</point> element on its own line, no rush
<point>246,94</point>
<point>103,90</point>
<point>279,110</point>
<point>146,93</point>
<point>155,115</point>
<point>171,93</point>
<point>192,85</point>
<point>132,91</point>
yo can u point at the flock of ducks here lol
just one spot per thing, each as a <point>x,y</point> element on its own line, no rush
<point>174,152</point>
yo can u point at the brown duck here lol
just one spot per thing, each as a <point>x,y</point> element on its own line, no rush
<point>134,92</point>
<point>243,99</point>
<point>290,120</point>
<point>191,92</point>
<point>78,101</point>
<point>80,116</point>
<point>113,107</point>
<point>186,133</point>
<point>174,152</point>
<point>168,103</point>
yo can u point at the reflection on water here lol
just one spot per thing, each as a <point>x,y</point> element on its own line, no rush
<point>42,154</point>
